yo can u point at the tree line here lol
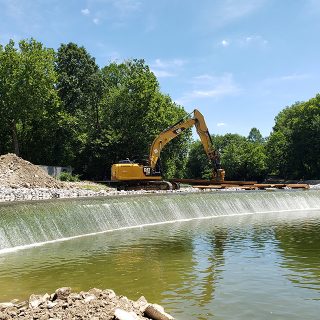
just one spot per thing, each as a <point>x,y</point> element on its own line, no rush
<point>60,108</point>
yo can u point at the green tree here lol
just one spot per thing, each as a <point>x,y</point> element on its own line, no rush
<point>79,82</point>
<point>197,166</point>
<point>294,145</point>
<point>80,88</point>
<point>244,161</point>
<point>134,112</point>
<point>240,158</point>
<point>9,107</point>
<point>27,88</point>
<point>255,136</point>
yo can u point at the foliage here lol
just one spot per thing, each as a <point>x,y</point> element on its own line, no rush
<point>80,89</point>
<point>27,89</point>
<point>255,136</point>
<point>197,166</point>
<point>294,145</point>
<point>244,161</point>
<point>67,176</point>
<point>79,81</point>
<point>240,158</point>
<point>134,111</point>
<point>60,108</point>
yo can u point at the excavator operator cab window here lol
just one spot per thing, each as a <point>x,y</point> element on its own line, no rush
<point>125,161</point>
<point>157,169</point>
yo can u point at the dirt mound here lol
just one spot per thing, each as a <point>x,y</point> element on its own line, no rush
<point>18,173</point>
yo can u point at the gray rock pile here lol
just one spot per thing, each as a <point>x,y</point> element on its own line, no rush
<point>23,194</point>
<point>94,304</point>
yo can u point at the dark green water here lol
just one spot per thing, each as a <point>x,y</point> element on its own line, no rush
<point>252,265</point>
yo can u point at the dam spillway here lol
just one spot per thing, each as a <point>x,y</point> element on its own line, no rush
<point>249,253</point>
<point>34,223</point>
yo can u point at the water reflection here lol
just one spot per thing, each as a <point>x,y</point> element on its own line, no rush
<point>215,243</point>
<point>208,255</point>
<point>222,268</point>
<point>299,244</point>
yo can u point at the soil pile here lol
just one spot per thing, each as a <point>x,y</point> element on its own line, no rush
<point>95,304</point>
<point>18,173</point>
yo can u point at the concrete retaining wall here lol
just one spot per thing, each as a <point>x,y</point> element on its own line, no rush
<point>55,171</point>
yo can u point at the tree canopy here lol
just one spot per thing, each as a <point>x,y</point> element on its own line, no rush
<point>294,145</point>
<point>241,158</point>
<point>61,108</point>
<point>27,90</point>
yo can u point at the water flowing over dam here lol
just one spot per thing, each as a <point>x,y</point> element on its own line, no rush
<point>34,223</point>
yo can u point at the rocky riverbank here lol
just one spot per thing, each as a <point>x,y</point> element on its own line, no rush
<point>25,194</point>
<point>95,304</point>
<point>21,180</point>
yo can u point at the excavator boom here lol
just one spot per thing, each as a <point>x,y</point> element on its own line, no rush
<point>165,137</point>
<point>170,133</point>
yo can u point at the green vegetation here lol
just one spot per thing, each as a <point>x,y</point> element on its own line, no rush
<point>294,145</point>
<point>60,108</point>
<point>241,158</point>
<point>67,176</point>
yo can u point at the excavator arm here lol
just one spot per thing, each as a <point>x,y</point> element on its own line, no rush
<point>170,133</point>
<point>165,137</point>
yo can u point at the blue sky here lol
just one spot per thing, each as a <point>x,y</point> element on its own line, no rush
<point>238,61</point>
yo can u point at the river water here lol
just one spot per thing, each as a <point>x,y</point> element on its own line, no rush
<point>239,264</point>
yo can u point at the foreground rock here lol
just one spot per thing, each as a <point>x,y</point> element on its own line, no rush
<point>94,304</point>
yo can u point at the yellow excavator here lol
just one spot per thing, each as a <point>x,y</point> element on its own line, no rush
<point>128,175</point>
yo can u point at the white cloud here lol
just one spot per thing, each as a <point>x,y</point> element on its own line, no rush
<point>220,90</point>
<point>253,40</point>
<point>228,11</point>
<point>285,78</point>
<point>116,12</point>
<point>243,42</point>
<point>169,63</point>
<point>221,124</point>
<point>167,68</point>
<point>295,76</point>
<point>163,73</point>
<point>85,12</point>
<point>208,86</point>
<point>225,43</point>
<point>126,7</point>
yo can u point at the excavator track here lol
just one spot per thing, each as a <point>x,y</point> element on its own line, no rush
<point>148,185</point>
